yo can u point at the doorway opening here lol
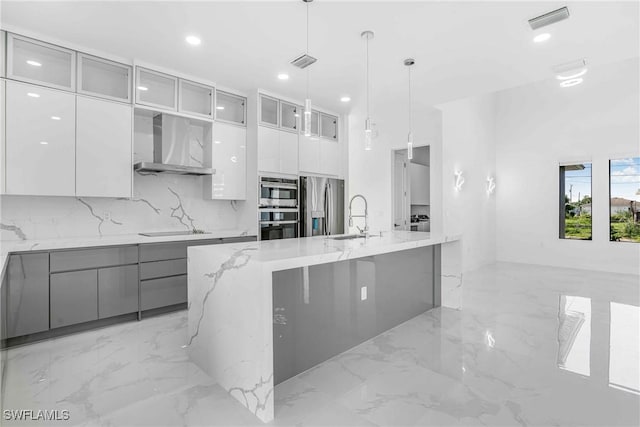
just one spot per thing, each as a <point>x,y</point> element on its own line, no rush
<point>411,190</point>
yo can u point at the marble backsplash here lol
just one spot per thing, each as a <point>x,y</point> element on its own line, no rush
<point>161,202</point>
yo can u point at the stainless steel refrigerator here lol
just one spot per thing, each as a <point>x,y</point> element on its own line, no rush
<point>321,206</point>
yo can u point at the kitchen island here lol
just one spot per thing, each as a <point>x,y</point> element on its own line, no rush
<point>262,312</point>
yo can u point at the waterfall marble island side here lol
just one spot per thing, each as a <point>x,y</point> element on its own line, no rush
<point>262,312</point>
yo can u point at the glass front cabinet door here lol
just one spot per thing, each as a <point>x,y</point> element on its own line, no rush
<point>41,63</point>
<point>106,79</point>
<point>231,108</point>
<point>196,99</point>
<point>156,89</point>
<point>289,115</point>
<point>268,111</point>
<point>329,127</point>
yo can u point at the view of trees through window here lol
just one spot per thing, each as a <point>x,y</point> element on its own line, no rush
<point>575,201</point>
<point>624,200</point>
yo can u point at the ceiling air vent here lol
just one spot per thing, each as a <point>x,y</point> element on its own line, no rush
<point>549,18</point>
<point>303,61</point>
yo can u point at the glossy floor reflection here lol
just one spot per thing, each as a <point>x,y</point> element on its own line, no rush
<point>531,346</point>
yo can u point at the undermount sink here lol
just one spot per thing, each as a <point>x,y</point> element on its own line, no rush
<point>173,233</point>
<point>349,237</point>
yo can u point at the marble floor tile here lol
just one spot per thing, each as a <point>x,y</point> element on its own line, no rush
<point>531,346</point>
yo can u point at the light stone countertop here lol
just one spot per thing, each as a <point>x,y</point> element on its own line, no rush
<point>292,253</point>
<point>10,246</point>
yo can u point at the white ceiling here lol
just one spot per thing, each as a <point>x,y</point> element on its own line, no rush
<point>461,48</point>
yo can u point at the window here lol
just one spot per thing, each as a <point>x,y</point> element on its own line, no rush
<point>624,196</point>
<point>575,201</point>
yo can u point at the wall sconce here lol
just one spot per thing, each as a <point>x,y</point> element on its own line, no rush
<point>459,180</point>
<point>491,185</point>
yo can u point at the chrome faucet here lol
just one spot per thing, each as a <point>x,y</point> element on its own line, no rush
<point>364,231</point>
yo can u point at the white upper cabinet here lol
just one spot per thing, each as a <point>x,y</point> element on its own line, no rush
<point>320,153</point>
<point>3,54</point>
<point>420,182</point>
<point>268,149</point>
<point>156,89</point>
<point>269,111</point>
<point>40,63</point>
<point>289,116</point>
<point>106,79</point>
<point>104,164</point>
<point>328,127</point>
<point>329,157</point>
<point>277,151</point>
<point>40,140</point>
<point>231,108</point>
<point>309,148</point>
<point>288,153</point>
<point>228,158</point>
<point>196,99</point>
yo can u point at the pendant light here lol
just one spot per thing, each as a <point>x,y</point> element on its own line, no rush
<point>409,62</point>
<point>367,35</point>
<point>307,101</point>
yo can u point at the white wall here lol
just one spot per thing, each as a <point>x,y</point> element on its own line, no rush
<point>468,144</point>
<point>370,172</point>
<point>540,125</point>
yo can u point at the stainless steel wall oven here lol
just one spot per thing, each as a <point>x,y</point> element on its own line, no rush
<point>278,210</point>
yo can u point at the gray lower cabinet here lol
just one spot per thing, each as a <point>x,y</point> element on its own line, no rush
<point>117,291</point>
<point>163,292</point>
<point>48,290</point>
<point>27,293</point>
<point>156,269</point>
<point>74,297</point>
<point>163,251</point>
<point>80,259</point>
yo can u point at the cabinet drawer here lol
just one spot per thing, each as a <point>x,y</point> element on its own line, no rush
<point>92,258</point>
<point>163,292</point>
<point>155,269</point>
<point>74,297</point>
<point>163,251</point>
<point>117,291</point>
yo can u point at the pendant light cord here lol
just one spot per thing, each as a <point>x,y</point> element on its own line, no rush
<point>307,49</point>
<point>410,115</point>
<point>368,84</point>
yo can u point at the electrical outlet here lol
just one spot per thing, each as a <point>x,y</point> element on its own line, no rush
<point>106,215</point>
<point>363,293</point>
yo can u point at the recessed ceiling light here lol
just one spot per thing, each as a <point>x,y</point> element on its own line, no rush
<point>572,76</point>
<point>34,63</point>
<point>143,88</point>
<point>283,76</point>
<point>33,95</point>
<point>43,143</point>
<point>55,118</point>
<point>220,107</point>
<point>345,99</point>
<point>217,142</point>
<point>193,40</point>
<point>571,82</point>
<point>542,38</point>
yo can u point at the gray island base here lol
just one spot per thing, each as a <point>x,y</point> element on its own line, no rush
<point>263,312</point>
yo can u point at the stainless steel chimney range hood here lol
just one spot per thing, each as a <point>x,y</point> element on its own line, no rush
<point>171,148</point>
